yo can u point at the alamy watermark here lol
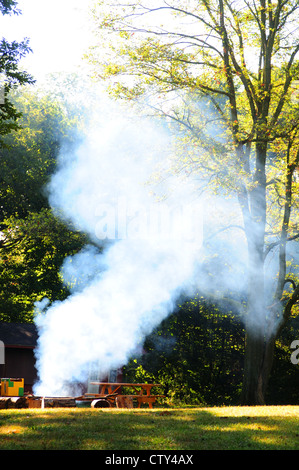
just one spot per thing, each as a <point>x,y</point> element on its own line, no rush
<point>295,354</point>
<point>2,352</point>
<point>157,221</point>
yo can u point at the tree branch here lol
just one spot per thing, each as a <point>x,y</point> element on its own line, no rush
<point>274,244</point>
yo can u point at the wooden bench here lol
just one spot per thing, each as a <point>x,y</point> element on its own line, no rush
<point>126,401</point>
<point>113,393</point>
<point>150,399</point>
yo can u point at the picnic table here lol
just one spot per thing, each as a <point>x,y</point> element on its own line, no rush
<point>113,391</point>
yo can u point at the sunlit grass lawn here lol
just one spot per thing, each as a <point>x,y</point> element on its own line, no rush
<point>227,428</point>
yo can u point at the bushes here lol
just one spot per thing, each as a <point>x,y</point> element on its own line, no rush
<point>197,355</point>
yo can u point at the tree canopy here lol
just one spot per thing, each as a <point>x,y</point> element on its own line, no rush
<point>224,73</point>
<point>34,242</point>
<point>9,7</point>
<point>11,75</point>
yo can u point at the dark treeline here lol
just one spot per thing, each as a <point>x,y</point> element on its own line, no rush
<point>197,354</point>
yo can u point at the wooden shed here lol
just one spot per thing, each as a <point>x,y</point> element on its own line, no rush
<point>19,340</point>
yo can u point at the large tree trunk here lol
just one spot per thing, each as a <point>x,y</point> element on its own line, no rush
<point>260,336</point>
<point>252,393</point>
<point>259,342</point>
<point>259,351</point>
<point>261,331</point>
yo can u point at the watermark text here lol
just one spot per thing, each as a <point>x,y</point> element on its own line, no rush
<point>2,352</point>
<point>155,221</point>
<point>295,354</point>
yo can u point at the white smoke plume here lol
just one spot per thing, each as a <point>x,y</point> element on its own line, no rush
<point>151,233</point>
<point>146,240</point>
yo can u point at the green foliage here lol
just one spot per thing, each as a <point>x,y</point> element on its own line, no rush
<point>227,94</point>
<point>284,380</point>
<point>224,90</point>
<point>222,75</point>
<point>30,153</point>
<point>12,76</point>
<point>9,7</point>
<point>30,263</point>
<point>196,354</point>
<point>33,241</point>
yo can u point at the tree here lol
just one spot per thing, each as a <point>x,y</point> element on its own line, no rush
<point>33,242</point>
<point>196,354</point>
<point>30,263</point>
<point>241,58</point>
<point>29,155</point>
<point>11,75</point>
<point>8,7</point>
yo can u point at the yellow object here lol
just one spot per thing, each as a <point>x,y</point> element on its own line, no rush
<point>12,387</point>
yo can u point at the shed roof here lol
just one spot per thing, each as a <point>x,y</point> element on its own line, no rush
<point>18,334</point>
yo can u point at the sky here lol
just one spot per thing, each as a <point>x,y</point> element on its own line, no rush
<point>59,33</point>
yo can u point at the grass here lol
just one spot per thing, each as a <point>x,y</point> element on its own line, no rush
<point>224,428</point>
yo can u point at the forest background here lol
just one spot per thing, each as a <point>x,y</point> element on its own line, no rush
<point>197,353</point>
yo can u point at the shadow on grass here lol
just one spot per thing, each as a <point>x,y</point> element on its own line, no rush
<point>158,429</point>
